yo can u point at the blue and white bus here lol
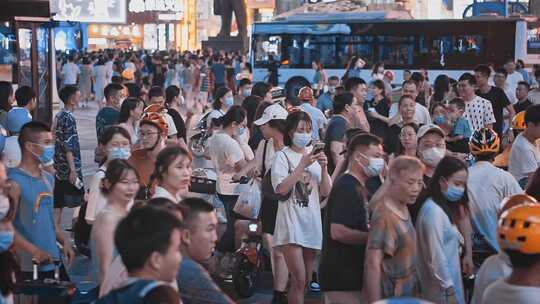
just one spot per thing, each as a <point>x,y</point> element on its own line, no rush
<point>451,47</point>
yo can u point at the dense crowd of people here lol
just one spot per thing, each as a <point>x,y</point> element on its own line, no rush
<point>367,191</point>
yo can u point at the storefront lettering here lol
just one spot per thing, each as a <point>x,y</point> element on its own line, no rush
<point>141,6</point>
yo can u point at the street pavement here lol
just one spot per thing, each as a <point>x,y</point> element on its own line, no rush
<point>80,271</point>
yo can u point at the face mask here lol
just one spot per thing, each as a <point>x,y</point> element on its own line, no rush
<point>439,120</point>
<point>119,153</point>
<point>241,130</point>
<point>375,166</point>
<point>229,101</point>
<point>6,239</point>
<point>246,92</point>
<point>46,156</point>
<point>453,193</point>
<point>331,89</point>
<point>433,156</point>
<point>4,206</point>
<point>301,140</point>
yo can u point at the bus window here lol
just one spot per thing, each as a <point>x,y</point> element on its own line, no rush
<point>321,48</point>
<point>356,45</point>
<point>453,50</point>
<point>267,45</point>
<point>396,50</point>
<point>7,53</point>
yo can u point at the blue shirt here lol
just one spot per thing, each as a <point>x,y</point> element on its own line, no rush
<point>218,70</point>
<point>461,127</point>
<point>34,219</point>
<point>66,140</point>
<point>318,120</point>
<point>325,102</point>
<point>196,285</point>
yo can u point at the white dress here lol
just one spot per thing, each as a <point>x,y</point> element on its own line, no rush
<point>296,223</point>
<point>102,78</point>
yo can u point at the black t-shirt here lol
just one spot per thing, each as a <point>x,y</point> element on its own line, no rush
<point>499,101</point>
<point>391,140</point>
<point>378,127</point>
<point>335,132</point>
<point>522,106</point>
<point>342,265</point>
<point>178,123</point>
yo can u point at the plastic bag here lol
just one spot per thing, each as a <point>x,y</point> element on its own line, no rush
<point>249,202</point>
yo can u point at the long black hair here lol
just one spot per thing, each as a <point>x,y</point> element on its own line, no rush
<point>128,105</point>
<point>220,92</point>
<point>441,86</point>
<point>234,114</point>
<point>448,166</point>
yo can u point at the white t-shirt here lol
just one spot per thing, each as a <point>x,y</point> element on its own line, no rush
<point>171,126</point>
<point>501,292</point>
<point>161,192</point>
<point>225,152</point>
<point>70,71</point>
<point>296,223</point>
<point>12,152</point>
<point>524,158</point>
<point>495,267</point>
<point>421,113</point>
<point>479,113</point>
<point>487,186</point>
<point>512,80</point>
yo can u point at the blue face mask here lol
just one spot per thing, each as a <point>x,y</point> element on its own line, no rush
<point>6,240</point>
<point>439,120</point>
<point>229,101</point>
<point>119,153</point>
<point>47,154</point>
<point>301,140</point>
<point>453,193</point>
<point>241,130</point>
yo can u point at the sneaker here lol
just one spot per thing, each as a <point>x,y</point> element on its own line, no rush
<point>314,286</point>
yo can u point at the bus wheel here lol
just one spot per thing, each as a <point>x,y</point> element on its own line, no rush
<point>293,86</point>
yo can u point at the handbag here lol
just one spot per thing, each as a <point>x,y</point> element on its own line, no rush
<point>267,189</point>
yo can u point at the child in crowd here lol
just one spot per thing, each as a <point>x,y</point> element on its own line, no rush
<point>458,139</point>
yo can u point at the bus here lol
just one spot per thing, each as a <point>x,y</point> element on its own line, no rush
<point>449,47</point>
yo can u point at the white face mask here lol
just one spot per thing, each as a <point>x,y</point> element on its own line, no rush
<point>433,156</point>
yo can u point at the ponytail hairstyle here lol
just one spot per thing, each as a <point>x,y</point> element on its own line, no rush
<point>164,160</point>
<point>220,92</point>
<point>235,114</point>
<point>357,139</point>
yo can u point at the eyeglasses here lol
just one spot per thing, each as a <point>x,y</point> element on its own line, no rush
<point>146,134</point>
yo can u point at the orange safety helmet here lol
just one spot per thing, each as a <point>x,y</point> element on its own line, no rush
<point>306,94</point>
<point>157,119</point>
<point>516,200</point>
<point>484,141</point>
<point>519,229</point>
<point>518,123</point>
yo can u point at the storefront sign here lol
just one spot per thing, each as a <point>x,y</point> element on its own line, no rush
<point>141,6</point>
<point>94,11</point>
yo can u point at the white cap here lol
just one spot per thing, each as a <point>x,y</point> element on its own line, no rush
<point>429,128</point>
<point>274,111</point>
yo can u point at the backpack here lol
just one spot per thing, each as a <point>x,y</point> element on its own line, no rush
<point>132,293</point>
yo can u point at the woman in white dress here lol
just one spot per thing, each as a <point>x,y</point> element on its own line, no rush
<point>101,79</point>
<point>303,177</point>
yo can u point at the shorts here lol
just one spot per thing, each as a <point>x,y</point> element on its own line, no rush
<point>66,194</point>
<point>268,215</point>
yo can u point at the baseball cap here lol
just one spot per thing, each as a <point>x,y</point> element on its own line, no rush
<point>16,118</point>
<point>429,128</point>
<point>274,111</point>
<point>305,94</point>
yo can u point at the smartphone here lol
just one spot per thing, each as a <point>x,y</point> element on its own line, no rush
<point>318,147</point>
